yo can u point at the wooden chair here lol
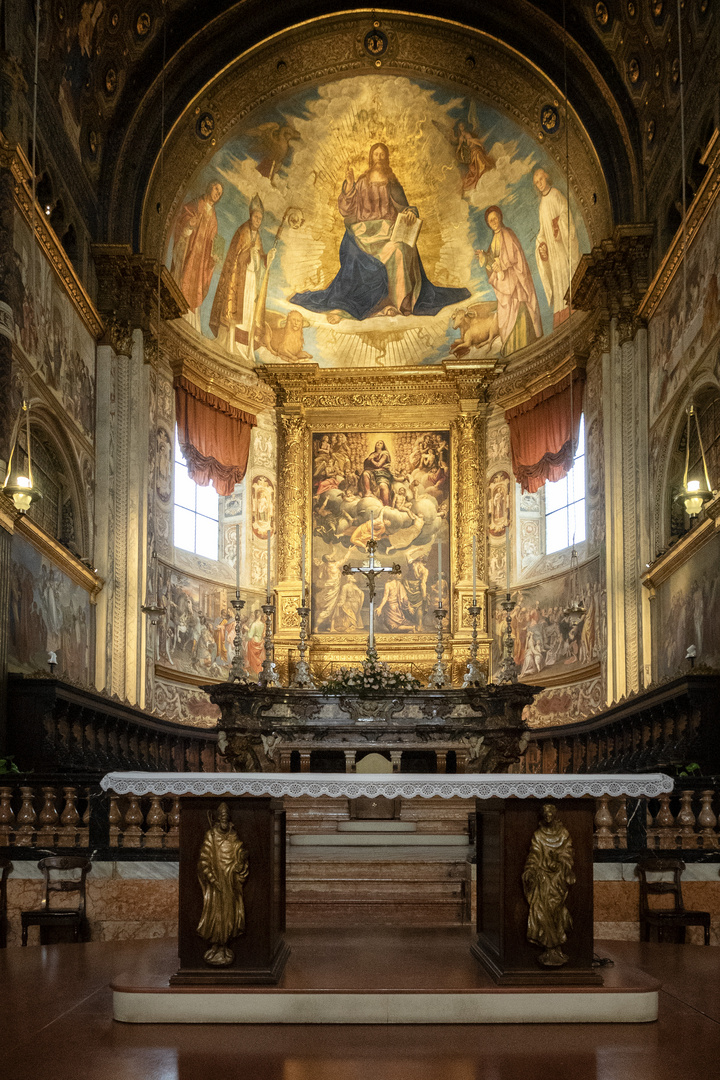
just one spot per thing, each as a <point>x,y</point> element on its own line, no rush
<point>47,916</point>
<point>5,868</point>
<point>675,919</point>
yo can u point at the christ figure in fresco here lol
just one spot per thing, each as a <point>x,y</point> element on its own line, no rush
<point>193,261</point>
<point>509,275</point>
<point>377,276</point>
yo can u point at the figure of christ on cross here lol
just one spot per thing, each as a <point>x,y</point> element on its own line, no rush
<point>371,571</point>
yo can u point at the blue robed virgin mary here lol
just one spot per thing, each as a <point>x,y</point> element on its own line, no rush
<point>377,276</point>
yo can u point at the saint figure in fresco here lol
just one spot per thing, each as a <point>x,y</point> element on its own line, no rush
<point>378,275</point>
<point>377,478</point>
<point>234,303</point>
<point>256,643</point>
<point>509,274</point>
<point>193,260</point>
<point>556,248</point>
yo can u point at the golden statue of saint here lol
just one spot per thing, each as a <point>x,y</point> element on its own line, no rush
<point>222,869</point>
<point>548,874</point>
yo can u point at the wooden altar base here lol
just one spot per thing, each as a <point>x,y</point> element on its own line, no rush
<point>380,977</point>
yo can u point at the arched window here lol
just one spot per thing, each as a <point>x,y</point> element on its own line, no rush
<point>195,512</point>
<point>56,513</point>
<point>565,503</point>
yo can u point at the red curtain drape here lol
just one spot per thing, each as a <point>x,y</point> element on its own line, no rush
<point>214,437</point>
<point>540,432</point>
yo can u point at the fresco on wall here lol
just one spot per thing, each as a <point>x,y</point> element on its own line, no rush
<point>50,333</point>
<point>547,644</point>
<point>685,612</point>
<point>376,221</point>
<point>197,635</point>
<point>671,357</point>
<point>499,490</point>
<point>394,486</point>
<point>566,704</point>
<point>184,704</point>
<point>262,499</point>
<point>49,613</point>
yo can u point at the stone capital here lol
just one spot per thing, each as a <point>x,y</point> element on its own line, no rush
<point>127,298</point>
<point>612,279</point>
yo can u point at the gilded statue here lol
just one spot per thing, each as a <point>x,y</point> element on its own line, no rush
<point>547,877</point>
<point>222,870</point>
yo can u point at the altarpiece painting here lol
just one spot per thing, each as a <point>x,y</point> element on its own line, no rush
<point>393,487</point>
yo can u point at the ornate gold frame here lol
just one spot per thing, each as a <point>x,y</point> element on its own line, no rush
<point>445,397</point>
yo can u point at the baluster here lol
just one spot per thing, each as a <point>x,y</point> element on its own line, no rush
<point>603,821</point>
<point>114,819</point>
<point>664,824</point>
<point>48,819</point>
<point>7,817</point>
<point>621,822</point>
<point>26,819</point>
<point>650,830</point>
<point>69,819</point>
<point>173,834</point>
<point>707,820</point>
<point>132,835</point>
<point>155,822</point>
<point>686,821</point>
<point>84,832</point>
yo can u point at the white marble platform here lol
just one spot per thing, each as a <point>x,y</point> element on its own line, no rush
<point>380,977</point>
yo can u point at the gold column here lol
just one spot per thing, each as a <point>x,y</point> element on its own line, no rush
<point>469,442</point>
<point>291,518</point>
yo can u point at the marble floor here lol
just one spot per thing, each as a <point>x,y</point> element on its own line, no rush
<point>55,1005</point>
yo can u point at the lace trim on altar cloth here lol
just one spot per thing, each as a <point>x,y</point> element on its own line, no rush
<point>352,786</point>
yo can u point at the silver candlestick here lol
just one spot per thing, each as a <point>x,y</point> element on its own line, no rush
<point>508,672</point>
<point>474,675</point>
<point>268,674</point>
<point>303,678</point>
<point>438,675</point>
<point>238,671</point>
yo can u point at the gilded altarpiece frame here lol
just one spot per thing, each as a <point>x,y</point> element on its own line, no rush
<point>439,412</point>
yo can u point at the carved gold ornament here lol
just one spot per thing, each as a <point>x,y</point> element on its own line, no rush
<point>547,877</point>
<point>222,870</point>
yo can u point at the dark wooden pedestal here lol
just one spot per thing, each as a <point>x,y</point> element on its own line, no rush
<point>504,833</point>
<point>260,952</point>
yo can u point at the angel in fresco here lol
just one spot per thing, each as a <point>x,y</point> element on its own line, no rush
<point>380,272</point>
<point>272,141</point>
<point>468,148</point>
<point>509,275</point>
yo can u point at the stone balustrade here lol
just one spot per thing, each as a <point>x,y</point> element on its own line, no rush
<point>46,816</point>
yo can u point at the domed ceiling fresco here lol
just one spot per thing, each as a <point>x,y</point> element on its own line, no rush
<point>377,220</point>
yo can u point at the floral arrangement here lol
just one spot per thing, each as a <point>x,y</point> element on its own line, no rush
<point>371,675</point>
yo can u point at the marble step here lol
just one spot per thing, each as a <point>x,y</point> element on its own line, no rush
<point>376,827</point>
<point>378,839</point>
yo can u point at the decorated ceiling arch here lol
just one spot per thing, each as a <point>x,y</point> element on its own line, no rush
<point>378,219</point>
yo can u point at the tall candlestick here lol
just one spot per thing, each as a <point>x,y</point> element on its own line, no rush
<point>268,566</point>
<point>507,558</point>
<point>372,525</point>
<point>237,562</point>
<point>439,573</point>
<point>474,570</point>
<point>302,570</point>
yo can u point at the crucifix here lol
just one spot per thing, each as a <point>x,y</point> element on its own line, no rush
<point>371,571</point>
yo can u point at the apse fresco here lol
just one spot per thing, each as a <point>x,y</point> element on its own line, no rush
<point>548,645</point>
<point>50,333</point>
<point>49,616</point>
<point>376,221</point>
<point>686,613</point>
<point>395,488</point>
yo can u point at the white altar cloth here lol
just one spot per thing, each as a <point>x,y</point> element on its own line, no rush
<point>391,785</point>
